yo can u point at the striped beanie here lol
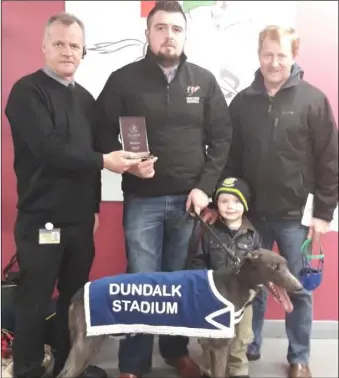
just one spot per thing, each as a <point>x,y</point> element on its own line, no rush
<point>234,186</point>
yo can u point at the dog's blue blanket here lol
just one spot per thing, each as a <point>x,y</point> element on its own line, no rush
<point>177,303</point>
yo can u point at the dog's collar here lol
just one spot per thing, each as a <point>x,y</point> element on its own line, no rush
<point>239,262</point>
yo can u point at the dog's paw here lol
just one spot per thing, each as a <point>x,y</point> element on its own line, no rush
<point>206,373</point>
<point>7,371</point>
<point>5,361</point>
<point>204,364</point>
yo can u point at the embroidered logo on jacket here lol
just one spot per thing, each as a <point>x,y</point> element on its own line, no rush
<point>191,90</point>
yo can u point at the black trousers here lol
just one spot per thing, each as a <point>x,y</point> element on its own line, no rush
<point>42,266</point>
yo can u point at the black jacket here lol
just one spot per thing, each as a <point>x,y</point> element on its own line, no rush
<point>285,147</point>
<point>57,170</point>
<point>179,124</point>
<point>209,255</point>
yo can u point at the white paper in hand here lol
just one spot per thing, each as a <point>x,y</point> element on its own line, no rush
<point>308,213</point>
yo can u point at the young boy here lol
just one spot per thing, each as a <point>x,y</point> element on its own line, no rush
<point>231,199</point>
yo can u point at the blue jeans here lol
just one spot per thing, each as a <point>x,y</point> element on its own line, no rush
<point>289,236</point>
<point>154,242</point>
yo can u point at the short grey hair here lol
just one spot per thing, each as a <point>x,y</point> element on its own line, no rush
<point>66,19</point>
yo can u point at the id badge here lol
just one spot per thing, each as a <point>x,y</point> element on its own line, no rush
<point>49,235</point>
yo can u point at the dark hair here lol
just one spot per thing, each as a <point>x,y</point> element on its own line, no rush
<point>167,6</point>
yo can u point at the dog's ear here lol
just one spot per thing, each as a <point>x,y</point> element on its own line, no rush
<point>252,257</point>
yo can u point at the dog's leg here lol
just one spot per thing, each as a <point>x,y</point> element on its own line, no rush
<point>205,365</point>
<point>83,349</point>
<point>227,355</point>
<point>219,358</point>
<point>48,362</point>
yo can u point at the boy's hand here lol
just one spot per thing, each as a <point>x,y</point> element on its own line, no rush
<point>209,216</point>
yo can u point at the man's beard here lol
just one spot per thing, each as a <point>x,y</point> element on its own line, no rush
<point>167,60</point>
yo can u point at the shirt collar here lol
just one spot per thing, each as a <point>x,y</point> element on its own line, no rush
<point>170,73</point>
<point>54,76</point>
<point>172,69</point>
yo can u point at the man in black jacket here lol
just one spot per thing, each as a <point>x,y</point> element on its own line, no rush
<point>185,111</point>
<point>59,190</point>
<point>285,144</point>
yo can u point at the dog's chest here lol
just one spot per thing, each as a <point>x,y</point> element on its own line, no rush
<point>253,293</point>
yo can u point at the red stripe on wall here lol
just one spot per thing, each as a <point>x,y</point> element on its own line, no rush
<point>22,30</point>
<point>146,6</point>
<point>319,60</point>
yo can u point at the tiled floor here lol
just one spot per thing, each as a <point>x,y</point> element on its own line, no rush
<point>324,359</point>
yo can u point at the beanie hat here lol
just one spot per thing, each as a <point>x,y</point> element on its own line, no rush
<point>235,186</point>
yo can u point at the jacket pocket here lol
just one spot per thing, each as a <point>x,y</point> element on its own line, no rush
<point>299,186</point>
<point>218,256</point>
<point>308,180</point>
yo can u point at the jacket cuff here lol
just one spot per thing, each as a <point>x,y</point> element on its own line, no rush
<point>205,186</point>
<point>98,160</point>
<point>323,215</point>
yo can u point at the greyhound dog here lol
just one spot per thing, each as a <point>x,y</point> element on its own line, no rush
<point>258,268</point>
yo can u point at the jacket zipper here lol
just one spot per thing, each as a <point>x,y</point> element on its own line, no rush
<point>276,121</point>
<point>269,111</point>
<point>168,100</point>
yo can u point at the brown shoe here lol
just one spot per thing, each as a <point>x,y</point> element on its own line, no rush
<point>185,367</point>
<point>299,371</point>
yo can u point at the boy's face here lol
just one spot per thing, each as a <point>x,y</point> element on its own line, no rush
<point>230,207</point>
